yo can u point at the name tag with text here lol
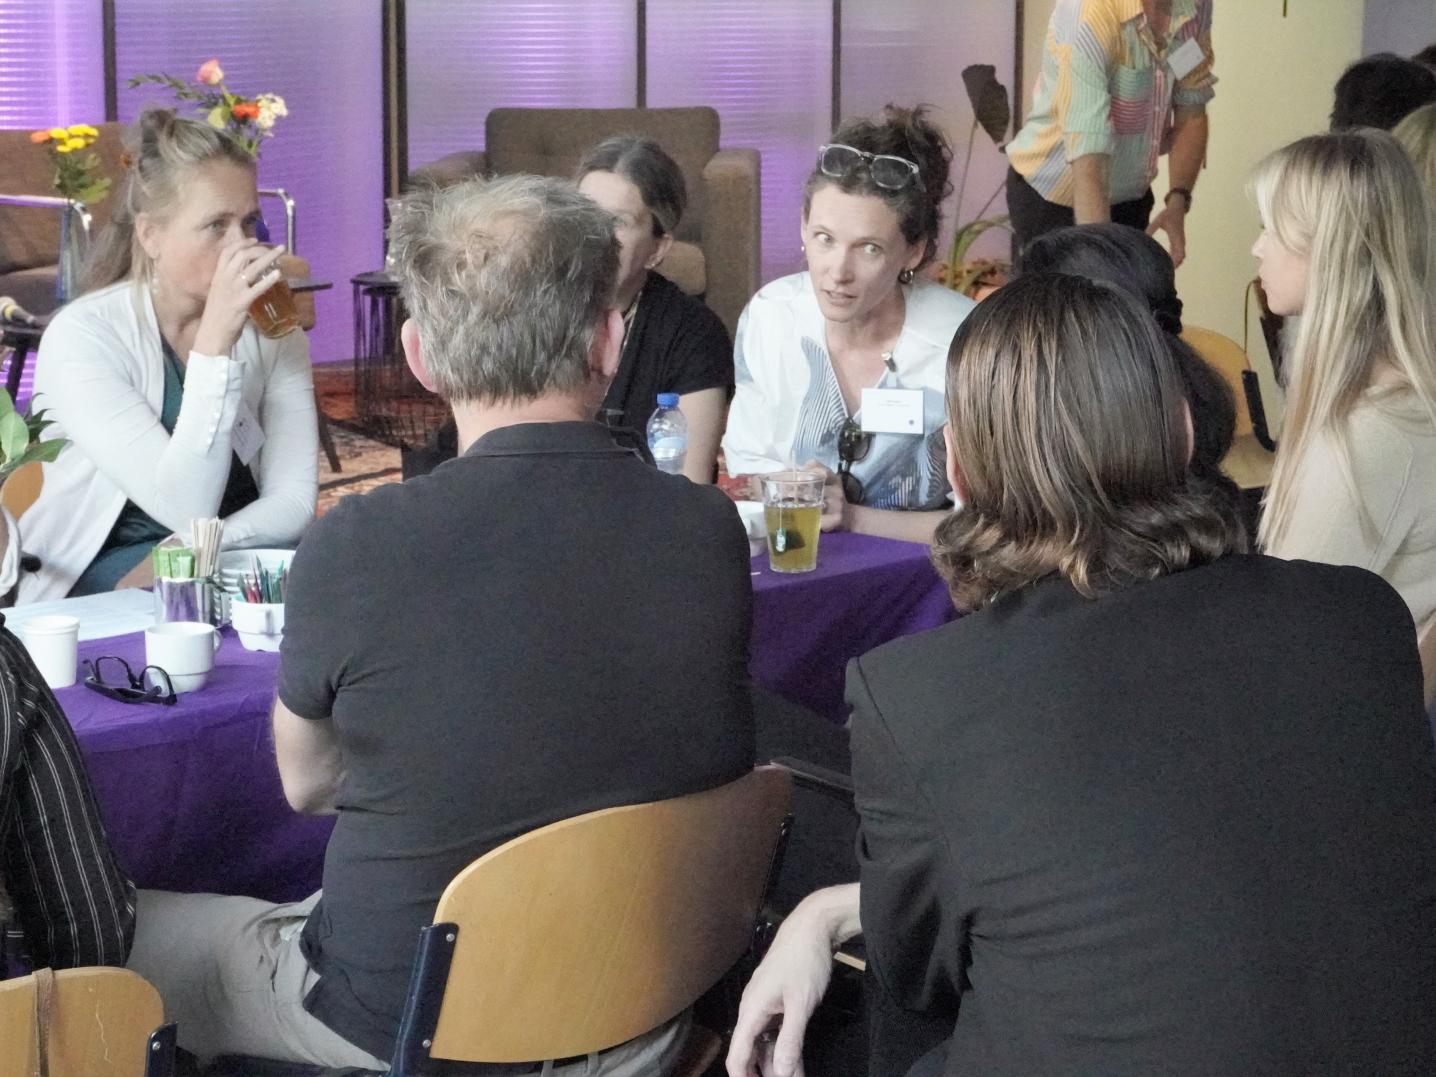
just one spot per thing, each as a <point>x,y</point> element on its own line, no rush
<point>1186,58</point>
<point>246,436</point>
<point>892,411</point>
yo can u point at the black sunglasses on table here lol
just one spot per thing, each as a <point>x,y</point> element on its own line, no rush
<point>152,685</point>
<point>853,446</point>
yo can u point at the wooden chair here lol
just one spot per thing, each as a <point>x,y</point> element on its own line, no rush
<point>1249,462</point>
<point>22,488</point>
<point>93,1022</point>
<point>586,933</point>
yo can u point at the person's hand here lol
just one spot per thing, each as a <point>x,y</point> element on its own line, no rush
<point>245,271</point>
<point>788,985</point>
<point>835,505</point>
<point>1173,221</point>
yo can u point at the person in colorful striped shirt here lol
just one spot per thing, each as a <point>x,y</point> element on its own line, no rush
<point>1122,82</point>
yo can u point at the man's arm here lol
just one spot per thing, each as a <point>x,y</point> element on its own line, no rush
<point>74,904</point>
<point>1091,201</point>
<point>1189,150</point>
<point>311,766</point>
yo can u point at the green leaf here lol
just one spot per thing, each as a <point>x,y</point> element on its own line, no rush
<point>216,117</point>
<point>7,406</point>
<point>989,100</point>
<point>14,436</point>
<point>45,452</point>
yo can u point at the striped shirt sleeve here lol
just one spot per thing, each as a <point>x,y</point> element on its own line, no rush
<point>73,903</point>
<point>1082,48</point>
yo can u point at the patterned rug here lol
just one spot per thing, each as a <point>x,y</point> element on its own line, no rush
<point>364,462</point>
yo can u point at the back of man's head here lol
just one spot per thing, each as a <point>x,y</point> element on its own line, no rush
<point>507,281</point>
<point>1378,90</point>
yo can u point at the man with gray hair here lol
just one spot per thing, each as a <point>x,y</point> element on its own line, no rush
<point>544,626</point>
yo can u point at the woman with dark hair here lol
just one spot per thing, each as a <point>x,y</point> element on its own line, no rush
<point>672,342</point>
<point>814,347</point>
<point>1101,831</point>
<point>175,405</point>
<point>1136,263</point>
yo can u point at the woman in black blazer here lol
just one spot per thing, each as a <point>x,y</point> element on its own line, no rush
<point>1154,805</point>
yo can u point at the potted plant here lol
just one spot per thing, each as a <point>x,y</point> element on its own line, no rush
<point>20,442</point>
<point>992,113</point>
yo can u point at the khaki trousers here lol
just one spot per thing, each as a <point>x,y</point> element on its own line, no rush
<point>233,979</point>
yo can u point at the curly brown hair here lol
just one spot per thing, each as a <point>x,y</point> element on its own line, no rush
<point>905,133</point>
<point>1068,422</point>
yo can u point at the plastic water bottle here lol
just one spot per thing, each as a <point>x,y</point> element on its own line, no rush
<point>668,435</point>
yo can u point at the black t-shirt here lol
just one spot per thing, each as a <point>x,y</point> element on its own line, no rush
<point>504,643</point>
<point>675,345</point>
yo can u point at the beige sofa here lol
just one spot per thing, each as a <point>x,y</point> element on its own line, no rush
<point>718,244</point>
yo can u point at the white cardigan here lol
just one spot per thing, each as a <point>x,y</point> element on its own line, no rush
<point>100,375</point>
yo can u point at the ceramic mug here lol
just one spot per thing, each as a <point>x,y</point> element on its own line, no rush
<point>53,643</point>
<point>184,650</point>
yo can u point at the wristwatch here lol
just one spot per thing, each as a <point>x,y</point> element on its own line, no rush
<point>1186,197</point>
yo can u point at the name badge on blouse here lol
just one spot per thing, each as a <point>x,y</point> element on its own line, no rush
<point>1186,58</point>
<point>246,436</point>
<point>892,411</point>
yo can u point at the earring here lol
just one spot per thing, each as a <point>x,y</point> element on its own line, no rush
<point>905,276</point>
<point>803,248</point>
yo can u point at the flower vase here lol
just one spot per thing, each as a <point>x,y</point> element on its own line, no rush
<point>72,257</point>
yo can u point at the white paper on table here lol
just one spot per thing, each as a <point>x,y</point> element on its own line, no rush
<point>113,613</point>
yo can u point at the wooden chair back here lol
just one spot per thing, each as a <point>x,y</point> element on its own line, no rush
<point>1227,358</point>
<point>21,489</point>
<point>99,1022</point>
<point>585,933</point>
<point>1426,644</point>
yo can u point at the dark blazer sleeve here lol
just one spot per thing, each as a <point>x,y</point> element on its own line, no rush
<point>915,940</point>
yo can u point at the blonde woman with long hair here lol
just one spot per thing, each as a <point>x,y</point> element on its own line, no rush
<point>1417,135</point>
<point>1348,245</point>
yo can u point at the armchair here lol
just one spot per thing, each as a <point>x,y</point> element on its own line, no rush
<point>718,246</point>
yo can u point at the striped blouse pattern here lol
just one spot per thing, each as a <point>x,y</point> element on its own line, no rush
<point>73,903</point>
<point>899,471</point>
<point>1106,88</point>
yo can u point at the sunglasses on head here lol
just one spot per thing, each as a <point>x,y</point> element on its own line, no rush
<point>888,172</point>
<point>113,678</point>
<point>853,446</point>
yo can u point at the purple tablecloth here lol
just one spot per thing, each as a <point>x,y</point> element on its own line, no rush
<point>190,793</point>
<point>864,592</point>
<point>191,796</point>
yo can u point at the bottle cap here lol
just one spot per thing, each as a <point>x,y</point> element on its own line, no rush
<point>667,400</point>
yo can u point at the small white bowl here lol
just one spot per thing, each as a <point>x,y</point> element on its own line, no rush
<point>260,624</point>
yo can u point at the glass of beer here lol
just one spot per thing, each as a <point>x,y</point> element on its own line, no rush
<point>792,506</point>
<point>274,313</point>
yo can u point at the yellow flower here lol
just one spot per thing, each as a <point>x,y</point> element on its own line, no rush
<point>58,133</point>
<point>73,144</point>
<point>63,147</point>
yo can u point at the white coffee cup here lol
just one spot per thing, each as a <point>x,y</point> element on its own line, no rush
<point>260,624</point>
<point>53,642</point>
<point>184,650</point>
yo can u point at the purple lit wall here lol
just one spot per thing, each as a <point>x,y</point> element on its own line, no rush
<point>51,71</point>
<point>324,60</point>
<point>767,68</point>
<point>465,58</point>
<point>911,51</point>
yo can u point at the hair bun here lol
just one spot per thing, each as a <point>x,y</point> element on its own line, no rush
<point>928,147</point>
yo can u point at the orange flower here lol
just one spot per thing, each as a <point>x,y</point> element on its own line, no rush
<point>39,137</point>
<point>246,110</point>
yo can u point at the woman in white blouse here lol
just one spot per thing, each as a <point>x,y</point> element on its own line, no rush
<point>842,366</point>
<point>174,404</point>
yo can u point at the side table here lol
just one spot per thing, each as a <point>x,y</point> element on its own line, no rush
<point>389,403</point>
